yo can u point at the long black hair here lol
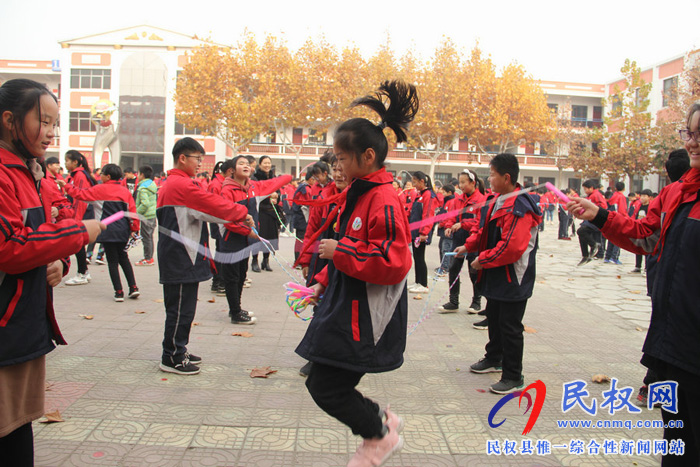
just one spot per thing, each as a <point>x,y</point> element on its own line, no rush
<point>77,156</point>
<point>21,96</point>
<point>474,178</point>
<point>424,177</point>
<point>359,134</point>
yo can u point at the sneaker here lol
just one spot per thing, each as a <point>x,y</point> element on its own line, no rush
<point>119,296</point>
<point>247,283</point>
<point>482,325</point>
<point>412,286</point>
<point>79,279</point>
<point>100,260</point>
<point>375,452</point>
<point>448,307</point>
<point>304,371</point>
<point>606,261</point>
<point>145,262</point>
<point>243,318</point>
<point>419,289</point>
<point>183,368</point>
<point>475,307</point>
<point>617,261</point>
<point>486,366</point>
<point>642,396</point>
<point>633,271</point>
<point>194,359</point>
<point>585,260</point>
<point>246,312</point>
<point>594,250</point>
<point>506,386</point>
<point>134,292</point>
<point>221,291</point>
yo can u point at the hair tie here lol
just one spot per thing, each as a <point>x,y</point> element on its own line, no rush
<point>382,125</point>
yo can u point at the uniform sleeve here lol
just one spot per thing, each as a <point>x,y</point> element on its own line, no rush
<point>79,181</point>
<point>515,238</point>
<point>237,227</point>
<point>427,213</point>
<point>134,220</point>
<point>58,201</point>
<point>267,187</point>
<point>23,248</point>
<point>314,224</point>
<point>322,276</point>
<point>639,236</point>
<point>384,258</point>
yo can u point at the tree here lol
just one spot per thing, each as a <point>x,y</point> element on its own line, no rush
<point>627,145</point>
<point>567,141</point>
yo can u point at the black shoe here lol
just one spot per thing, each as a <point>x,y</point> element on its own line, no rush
<point>246,312</point>
<point>243,318</point>
<point>636,271</point>
<point>448,307</point>
<point>482,313</point>
<point>134,292</point>
<point>585,260</point>
<point>119,296</point>
<point>193,358</point>
<point>475,307</point>
<point>481,325</point>
<point>304,371</point>
<point>486,366</point>
<point>254,265</point>
<point>265,265</point>
<point>506,386</point>
<point>182,368</point>
<point>594,250</point>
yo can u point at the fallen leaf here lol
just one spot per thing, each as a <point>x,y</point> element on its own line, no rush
<point>551,256</point>
<point>600,378</point>
<point>481,390</point>
<point>49,386</point>
<point>52,417</point>
<point>242,334</point>
<point>570,279</point>
<point>262,372</point>
<point>159,300</point>
<point>212,300</point>
<point>636,291</point>
<point>639,329</point>
<point>530,330</point>
<point>139,312</point>
<point>86,316</point>
<point>619,277</point>
<point>195,323</point>
<point>417,297</point>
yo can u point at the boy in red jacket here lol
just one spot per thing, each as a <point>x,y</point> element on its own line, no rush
<point>507,244</point>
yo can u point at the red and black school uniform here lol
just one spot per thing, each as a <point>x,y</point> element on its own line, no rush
<point>671,348</point>
<point>469,220</point>
<point>617,203</point>
<point>507,244</point>
<point>183,209</point>
<point>445,244</point>
<point>80,179</point>
<point>107,199</point>
<point>407,198</point>
<point>423,208</point>
<point>29,240</point>
<point>215,187</point>
<point>300,215</point>
<point>360,324</point>
<point>234,238</point>
<point>317,218</point>
<point>588,234</point>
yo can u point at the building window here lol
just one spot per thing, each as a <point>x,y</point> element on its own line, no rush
<point>579,115</point>
<point>443,178</point>
<point>269,137</point>
<point>670,88</point>
<point>553,107</point>
<point>616,102</point>
<point>181,129</point>
<point>88,78</point>
<point>80,121</point>
<point>316,138</point>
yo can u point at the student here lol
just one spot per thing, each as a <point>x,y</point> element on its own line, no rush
<point>222,170</point>
<point>423,208</point>
<point>146,195</point>
<point>360,324</point>
<point>80,177</point>
<point>588,234</point>
<point>300,213</point>
<point>108,198</point>
<point>240,189</point>
<point>53,167</point>
<point>321,173</point>
<point>564,219</point>
<point>445,244</point>
<point>618,203</point>
<point>183,256</point>
<point>129,180</point>
<point>671,347</point>
<point>33,258</point>
<point>641,213</point>
<point>459,229</point>
<point>408,196</point>
<point>507,244</point>
<point>268,218</point>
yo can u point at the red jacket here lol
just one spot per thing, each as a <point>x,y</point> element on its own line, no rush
<point>423,208</point>
<point>107,199</point>
<point>28,242</point>
<point>618,203</point>
<point>216,184</point>
<point>317,217</point>
<point>81,179</point>
<point>597,198</point>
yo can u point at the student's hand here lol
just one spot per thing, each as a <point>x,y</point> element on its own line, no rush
<point>461,251</point>
<point>54,273</point>
<point>61,183</point>
<point>253,235</point>
<point>305,271</point>
<point>318,289</point>
<point>94,228</point>
<point>423,238</point>
<point>476,265</point>
<point>250,222</point>
<point>582,209</point>
<point>326,248</point>
<point>54,212</point>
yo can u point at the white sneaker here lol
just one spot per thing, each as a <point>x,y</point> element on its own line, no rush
<point>412,286</point>
<point>419,289</point>
<point>79,279</point>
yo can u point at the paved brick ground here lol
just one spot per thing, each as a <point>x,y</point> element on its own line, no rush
<point>120,410</point>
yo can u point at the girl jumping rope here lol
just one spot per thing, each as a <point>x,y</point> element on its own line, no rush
<point>360,325</point>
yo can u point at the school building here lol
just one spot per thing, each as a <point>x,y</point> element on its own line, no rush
<point>136,68</point>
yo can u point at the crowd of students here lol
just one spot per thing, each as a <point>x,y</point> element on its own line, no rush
<point>354,223</point>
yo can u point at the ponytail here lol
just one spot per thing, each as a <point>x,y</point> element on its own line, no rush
<point>359,134</point>
<point>425,178</point>
<point>217,169</point>
<point>77,156</point>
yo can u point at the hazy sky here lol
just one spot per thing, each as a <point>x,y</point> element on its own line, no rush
<point>585,41</point>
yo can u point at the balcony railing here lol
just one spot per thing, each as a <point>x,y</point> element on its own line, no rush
<point>585,123</point>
